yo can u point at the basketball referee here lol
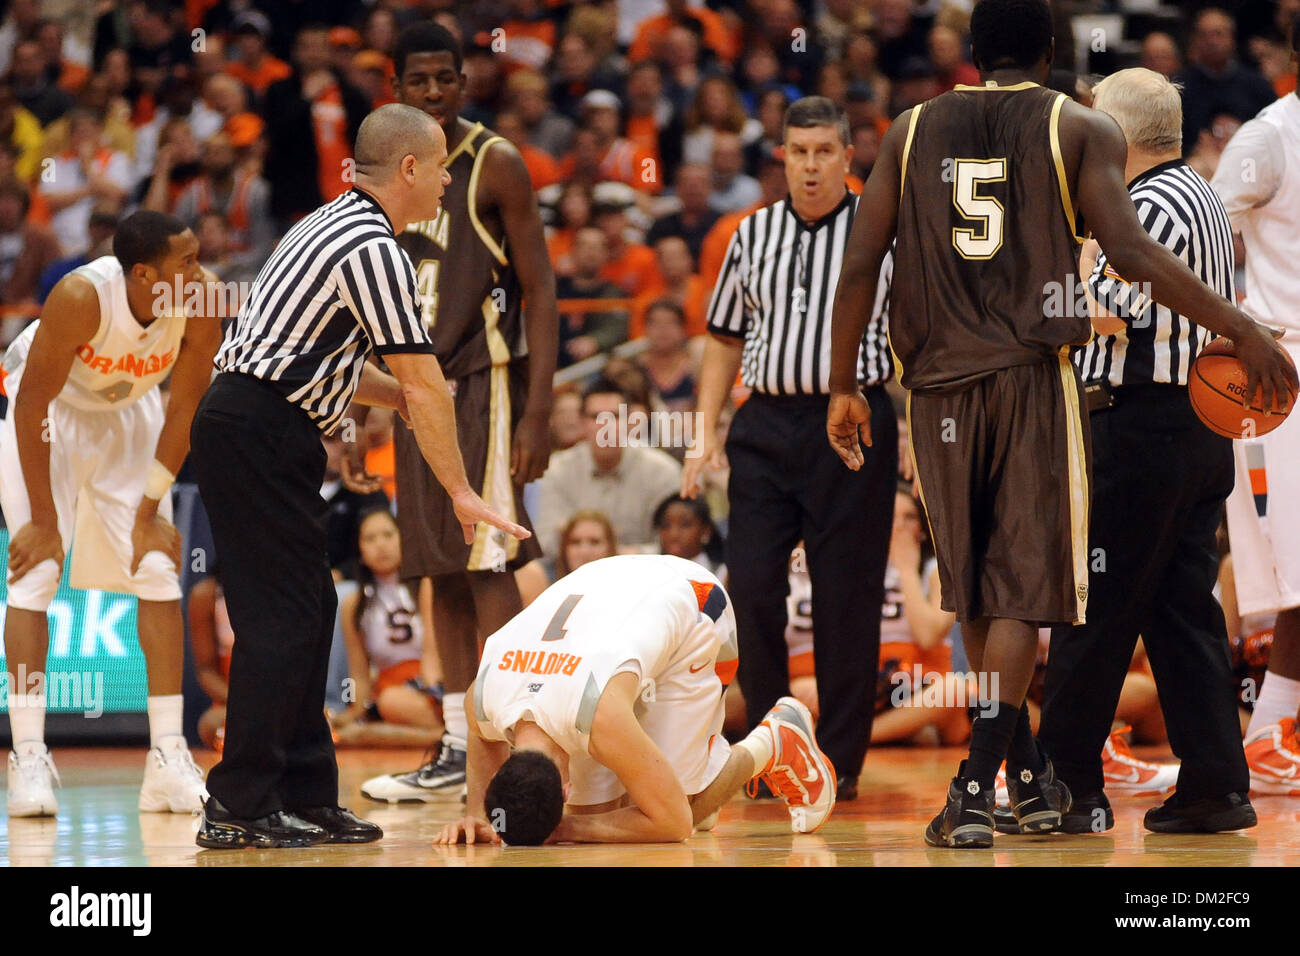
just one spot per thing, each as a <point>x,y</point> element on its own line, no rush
<point>336,288</point>
<point>770,318</point>
<point>1160,479</point>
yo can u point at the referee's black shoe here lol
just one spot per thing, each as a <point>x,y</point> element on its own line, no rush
<point>222,830</point>
<point>1205,815</point>
<point>1038,801</point>
<point>1088,813</point>
<point>342,825</point>
<point>966,821</point>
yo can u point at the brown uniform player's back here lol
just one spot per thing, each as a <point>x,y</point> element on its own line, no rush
<point>985,223</point>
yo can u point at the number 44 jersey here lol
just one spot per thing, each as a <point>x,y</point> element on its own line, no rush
<point>666,619</point>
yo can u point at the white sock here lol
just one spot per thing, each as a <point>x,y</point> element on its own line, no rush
<point>760,746</point>
<point>166,713</point>
<point>27,723</point>
<point>453,717</point>
<point>1279,697</point>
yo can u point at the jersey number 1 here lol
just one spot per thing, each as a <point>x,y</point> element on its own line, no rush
<point>985,241</point>
<point>556,630</point>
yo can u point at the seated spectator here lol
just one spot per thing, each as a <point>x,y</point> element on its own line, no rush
<point>212,640</point>
<point>371,72</point>
<point>21,132</point>
<point>1204,157</point>
<point>216,254</point>
<point>586,536</point>
<point>66,74</point>
<point>632,266</point>
<point>624,481</point>
<point>686,530</point>
<point>717,37</point>
<point>97,96</point>
<point>679,56</point>
<point>677,283</point>
<point>866,148</point>
<point>949,59</point>
<point>694,217</point>
<point>732,189</point>
<point>672,369</point>
<point>652,124</point>
<point>1160,54</point>
<point>771,107</point>
<point>378,442</point>
<point>528,94</point>
<point>573,212</point>
<point>175,167</point>
<point>717,108</point>
<point>543,170</point>
<point>577,72</point>
<point>616,158</point>
<point>772,181</point>
<point>592,317</point>
<point>237,192</point>
<point>862,56</point>
<point>26,251</point>
<point>343,512</point>
<point>103,223</point>
<point>84,175</point>
<point>529,35</point>
<point>176,100</point>
<point>32,85</point>
<point>396,694</point>
<point>1213,81</point>
<point>915,83</point>
<point>253,65</point>
<point>567,426</point>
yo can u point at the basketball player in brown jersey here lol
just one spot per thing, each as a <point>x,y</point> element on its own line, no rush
<point>475,265</point>
<point>987,188</point>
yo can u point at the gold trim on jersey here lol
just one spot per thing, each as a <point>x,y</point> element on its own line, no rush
<point>463,145</point>
<point>1076,454</point>
<point>493,548</point>
<point>990,85</point>
<point>1062,180</point>
<point>907,147</point>
<point>472,203</point>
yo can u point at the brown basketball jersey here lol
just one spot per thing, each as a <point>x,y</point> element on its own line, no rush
<point>985,261</point>
<point>469,292</point>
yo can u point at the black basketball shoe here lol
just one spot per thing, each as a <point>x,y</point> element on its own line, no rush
<point>966,821</point>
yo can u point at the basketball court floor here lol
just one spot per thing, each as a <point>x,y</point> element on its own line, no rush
<point>98,825</point>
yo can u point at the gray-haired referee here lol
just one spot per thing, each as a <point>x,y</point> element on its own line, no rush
<point>770,318</point>
<point>336,288</point>
<point>1160,478</point>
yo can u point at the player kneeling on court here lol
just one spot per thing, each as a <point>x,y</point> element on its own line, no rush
<point>609,689</point>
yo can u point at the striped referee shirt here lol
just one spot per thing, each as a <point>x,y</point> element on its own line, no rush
<point>1181,212</point>
<point>335,289</point>
<point>775,292</point>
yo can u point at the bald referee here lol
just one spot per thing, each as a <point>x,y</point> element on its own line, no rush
<point>336,288</point>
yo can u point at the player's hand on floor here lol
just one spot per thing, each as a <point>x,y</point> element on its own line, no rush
<point>471,509</point>
<point>467,830</point>
<point>154,533</point>
<point>1269,368</point>
<point>30,546</point>
<point>848,422</point>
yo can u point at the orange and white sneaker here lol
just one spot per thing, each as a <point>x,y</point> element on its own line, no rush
<point>1273,755</point>
<point>1127,774</point>
<point>799,773</point>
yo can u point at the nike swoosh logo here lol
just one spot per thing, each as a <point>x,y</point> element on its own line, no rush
<point>815,776</point>
<point>696,670</point>
<point>1132,776</point>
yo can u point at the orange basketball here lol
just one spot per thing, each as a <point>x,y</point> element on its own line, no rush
<point>1217,388</point>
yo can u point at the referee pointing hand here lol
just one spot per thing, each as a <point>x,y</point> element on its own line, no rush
<point>336,288</point>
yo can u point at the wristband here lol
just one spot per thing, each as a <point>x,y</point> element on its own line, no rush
<point>158,481</point>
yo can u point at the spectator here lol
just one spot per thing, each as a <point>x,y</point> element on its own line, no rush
<point>156,43</point>
<point>21,131</point>
<point>677,283</point>
<point>103,223</point>
<point>1160,54</point>
<point>712,28</point>
<point>371,72</point>
<point>574,211</point>
<point>632,266</point>
<point>588,322</point>
<point>567,427</point>
<point>761,71</point>
<point>863,60</point>
<point>344,509</point>
<point>668,363</point>
<point>32,84</point>
<point>772,104</point>
<point>686,530</point>
<point>901,30</point>
<point>716,109</point>
<point>543,170</point>
<point>253,65</point>
<point>176,98</point>
<point>379,31</point>
<point>237,192</point>
<point>216,255</point>
<point>949,59</point>
<point>97,96</point>
<point>20,23</point>
<point>575,71</point>
<point>1213,81</point>
<point>866,147</point>
<point>529,35</point>
<point>694,217</point>
<point>66,74</point>
<point>652,126</point>
<point>224,98</point>
<point>616,158</point>
<point>378,444</point>
<point>84,175</point>
<point>316,115</point>
<point>916,82</point>
<point>1205,155</point>
<point>838,21</point>
<point>586,536</point>
<point>26,251</point>
<point>678,57</point>
<point>527,92</point>
<point>174,169</point>
<point>771,180</point>
<point>799,62</point>
<point>732,189</point>
<point>624,481</point>
<point>210,60</point>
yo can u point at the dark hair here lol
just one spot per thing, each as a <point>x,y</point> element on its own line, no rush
<point>427,37</point>
<point>13,186</point>
<point>586,514</point>
<point>603,385</point>
<point>145,236</point>
<point>525,800</point>
<point>812,111</point>
<point>1295,34</point>
<point>366,577</point>
<point>1010,33</point>
<point>714,549</point>
<point>668,305</point>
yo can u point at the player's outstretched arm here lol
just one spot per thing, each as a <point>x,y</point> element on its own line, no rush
<point>848,418</point>
<point>506,182</point>
<point>433,418</point>
<point>1094,141</point>
<point>69,320</point>
<point>660,812</point>
<point>483,758</point>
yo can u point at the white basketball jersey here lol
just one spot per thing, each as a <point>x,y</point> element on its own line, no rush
<point>124,360</point>
<point>646,613</point>
<point>1271,231</point>
<point>391,627</point>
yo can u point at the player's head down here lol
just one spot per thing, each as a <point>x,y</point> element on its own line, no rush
<point>525,800</point>
<point>1010,34</point>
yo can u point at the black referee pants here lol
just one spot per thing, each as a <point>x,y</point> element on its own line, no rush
<point>260,463</point>
<point>1160,478</point>
<point>786,484</point>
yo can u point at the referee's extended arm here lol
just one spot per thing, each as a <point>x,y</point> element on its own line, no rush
<point>848,417</point>
<point>717,373</point>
